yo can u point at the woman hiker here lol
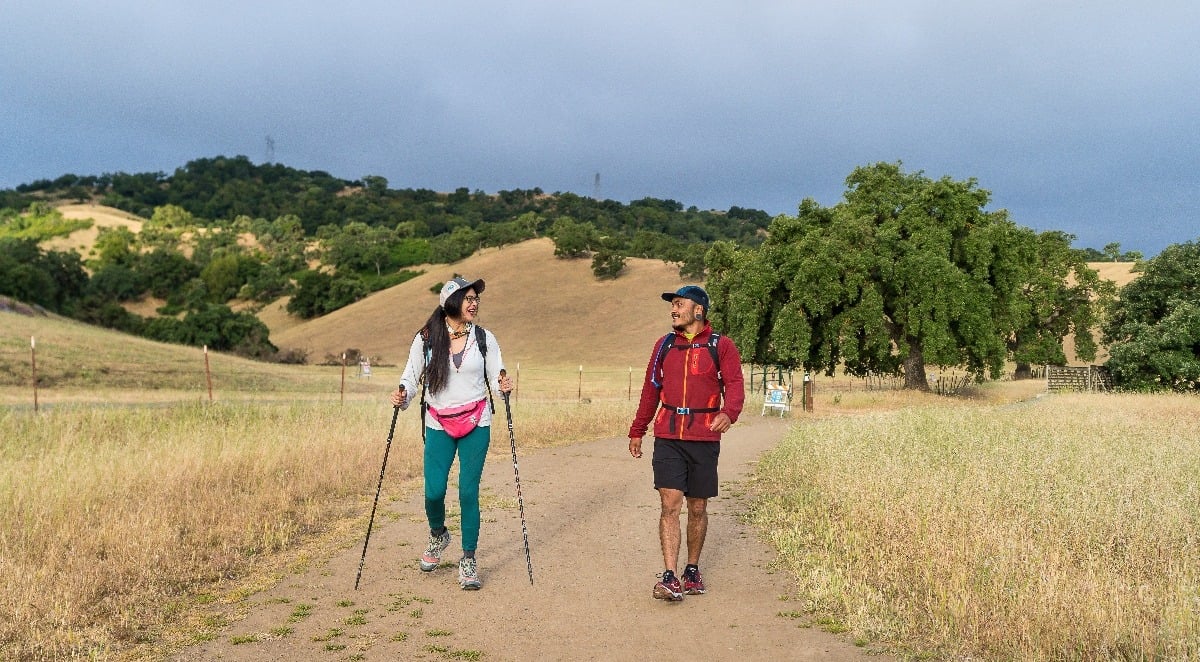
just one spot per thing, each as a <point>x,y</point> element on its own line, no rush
<point>457,362</point>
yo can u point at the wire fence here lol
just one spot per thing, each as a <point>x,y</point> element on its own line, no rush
<point>222,376</point>
<point>582,384</point>
<point>586,384</point>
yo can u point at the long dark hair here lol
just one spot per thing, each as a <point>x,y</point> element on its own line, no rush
<point>437,368</point>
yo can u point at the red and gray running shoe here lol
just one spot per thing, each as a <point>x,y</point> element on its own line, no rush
<point>693,583</point>
<point>668,587</point>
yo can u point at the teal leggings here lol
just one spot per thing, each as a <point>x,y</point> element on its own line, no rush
<point>439,455</point>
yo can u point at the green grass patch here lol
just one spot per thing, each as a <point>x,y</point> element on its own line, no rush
<point>301,612</point>
<point>332,633</point>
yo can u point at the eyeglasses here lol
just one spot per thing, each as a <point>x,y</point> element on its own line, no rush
<point>471,300</point>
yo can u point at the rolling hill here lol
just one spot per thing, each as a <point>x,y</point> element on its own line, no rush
<point>545,311</point>
<point>542,309</point>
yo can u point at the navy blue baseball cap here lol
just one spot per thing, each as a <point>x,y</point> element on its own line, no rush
<point>692,292</point>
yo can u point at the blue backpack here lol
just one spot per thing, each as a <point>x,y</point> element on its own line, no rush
<point>656,373</point>
<point>667,344</point>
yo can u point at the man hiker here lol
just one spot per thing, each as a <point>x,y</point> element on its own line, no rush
<point>694,391</point>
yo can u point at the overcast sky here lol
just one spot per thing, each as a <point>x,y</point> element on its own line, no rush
<point>1077,116</point>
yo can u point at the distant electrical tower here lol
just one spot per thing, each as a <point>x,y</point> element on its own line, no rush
<point>270,150</point>
<point>596,187</point>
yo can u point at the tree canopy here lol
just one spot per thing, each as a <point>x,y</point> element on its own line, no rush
<point>905,272</point>
<point>1153,327</point>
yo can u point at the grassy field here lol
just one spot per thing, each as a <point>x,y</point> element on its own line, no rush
<point>1061,529</point>
<point>955,527</point>
<point>129,502</point>
<point>120,523</point>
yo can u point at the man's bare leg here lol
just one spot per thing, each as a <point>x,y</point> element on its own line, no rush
<point>697,528</point>
<point>668,527</point>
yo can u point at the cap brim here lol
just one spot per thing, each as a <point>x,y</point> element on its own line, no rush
<point>668,296</point>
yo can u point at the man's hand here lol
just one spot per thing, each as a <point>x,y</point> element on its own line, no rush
<point>635,446</point>
<point>720,423</point>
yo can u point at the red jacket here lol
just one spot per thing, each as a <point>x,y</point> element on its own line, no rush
<point>689,381</point>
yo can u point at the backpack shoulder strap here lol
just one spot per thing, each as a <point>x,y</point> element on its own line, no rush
<point>713,339</point>
<point>664,346</point>
<point>481,341</point>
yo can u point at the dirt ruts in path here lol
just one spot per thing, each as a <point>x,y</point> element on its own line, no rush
<point>592,518</point>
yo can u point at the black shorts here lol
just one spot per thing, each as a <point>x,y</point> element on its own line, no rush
<point>687,466</point>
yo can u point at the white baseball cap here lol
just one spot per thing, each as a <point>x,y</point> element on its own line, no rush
<point>458,283</point>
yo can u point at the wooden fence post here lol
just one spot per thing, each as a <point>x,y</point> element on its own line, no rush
<point>207,373</point>
<point>33,360</point>
<point>342,393</point>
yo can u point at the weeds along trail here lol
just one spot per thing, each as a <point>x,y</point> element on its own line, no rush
<point>998,532</point>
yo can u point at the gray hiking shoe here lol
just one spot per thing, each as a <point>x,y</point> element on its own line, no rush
<point>433,553</point>
<point>468,575</point>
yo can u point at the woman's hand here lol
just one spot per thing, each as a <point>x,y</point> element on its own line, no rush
<point>506,382</point>
<point>400,397</point>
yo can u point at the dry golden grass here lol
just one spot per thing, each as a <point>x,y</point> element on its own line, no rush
<point>114,515</point>
<point>80,363</point>
<point>1058,529</point>
<point>1120,273</point>
<point>546,313</point>
<point>81,241</point>
<point>121,523</point>
<point>957,526</point>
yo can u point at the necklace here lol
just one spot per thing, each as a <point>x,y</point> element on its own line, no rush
<point>457,359</point>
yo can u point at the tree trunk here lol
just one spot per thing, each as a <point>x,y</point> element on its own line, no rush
<point>1023,371</point>
<point>914,367</point>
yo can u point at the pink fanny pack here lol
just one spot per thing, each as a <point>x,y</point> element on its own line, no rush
<point>459,421</point>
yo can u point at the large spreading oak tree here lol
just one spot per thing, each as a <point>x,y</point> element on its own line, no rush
<point>1153,328</point>
<point>905,272</point>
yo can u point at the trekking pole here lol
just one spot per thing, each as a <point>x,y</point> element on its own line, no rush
<point>388,447</point>
<point>517,478</point>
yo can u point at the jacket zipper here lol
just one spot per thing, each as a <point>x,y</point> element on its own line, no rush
<point>687,357</point>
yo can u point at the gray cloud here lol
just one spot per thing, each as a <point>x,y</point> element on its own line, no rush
<point>1079,118</point>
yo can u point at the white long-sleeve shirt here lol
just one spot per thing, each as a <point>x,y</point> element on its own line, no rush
<point>465,384</point>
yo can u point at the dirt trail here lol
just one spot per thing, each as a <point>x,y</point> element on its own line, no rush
<point>592,522</point>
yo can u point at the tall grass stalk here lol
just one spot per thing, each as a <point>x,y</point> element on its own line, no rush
<point>1063,529</point>
<point>113,517</point>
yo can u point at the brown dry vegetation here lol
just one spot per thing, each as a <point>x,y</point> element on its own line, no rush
<point>546,312</point>
<point>1058,529</point>
<point>122,524</point>
<point>81,241</point>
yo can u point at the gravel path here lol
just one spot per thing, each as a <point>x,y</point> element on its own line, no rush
<point>592,520</point>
